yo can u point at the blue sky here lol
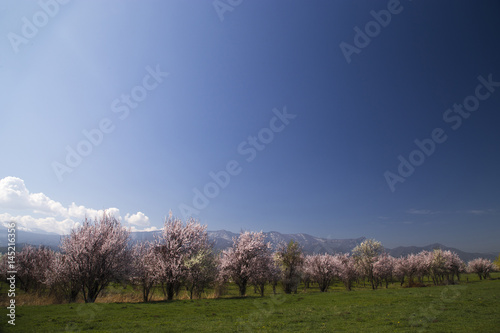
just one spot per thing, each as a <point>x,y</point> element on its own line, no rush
<point>172,91</point>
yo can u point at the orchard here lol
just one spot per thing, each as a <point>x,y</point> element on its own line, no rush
<point>99,254</point>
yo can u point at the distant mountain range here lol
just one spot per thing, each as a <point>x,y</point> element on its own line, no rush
<point>465,256</point>
<point>223,239</point>
<point>310,244</point>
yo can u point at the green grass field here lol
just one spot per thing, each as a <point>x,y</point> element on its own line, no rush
<point>467,307</point>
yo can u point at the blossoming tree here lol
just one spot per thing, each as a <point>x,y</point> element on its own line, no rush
<point>99,254</point>
<point>249,257</point>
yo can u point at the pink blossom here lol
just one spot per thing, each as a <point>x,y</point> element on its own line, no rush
<point>248,258</point>
<point>97,254</point>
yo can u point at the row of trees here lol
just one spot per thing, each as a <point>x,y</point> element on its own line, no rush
<point>98,253</point>
<point>370,262</point>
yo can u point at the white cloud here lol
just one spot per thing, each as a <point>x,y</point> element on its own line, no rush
<point>132,228</point>
<point>15,195</point>
<point>48,224</point>
<point>57,218</point>
<point>138,219</point>
<point>480,211</point>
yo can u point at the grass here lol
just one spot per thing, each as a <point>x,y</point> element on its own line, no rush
<point>467,307</point>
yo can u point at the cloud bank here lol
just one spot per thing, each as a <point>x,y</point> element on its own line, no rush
<point>44,214</point>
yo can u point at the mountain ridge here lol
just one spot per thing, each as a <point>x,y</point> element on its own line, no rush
<point>223,239</point>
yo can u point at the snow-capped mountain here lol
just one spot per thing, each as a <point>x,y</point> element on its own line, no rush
<point>223,239</point>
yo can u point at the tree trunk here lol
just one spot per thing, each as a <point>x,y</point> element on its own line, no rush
<point>191,292</point>
<point>72,295</point>
<point>243,288</point>
<point>170,291</point>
